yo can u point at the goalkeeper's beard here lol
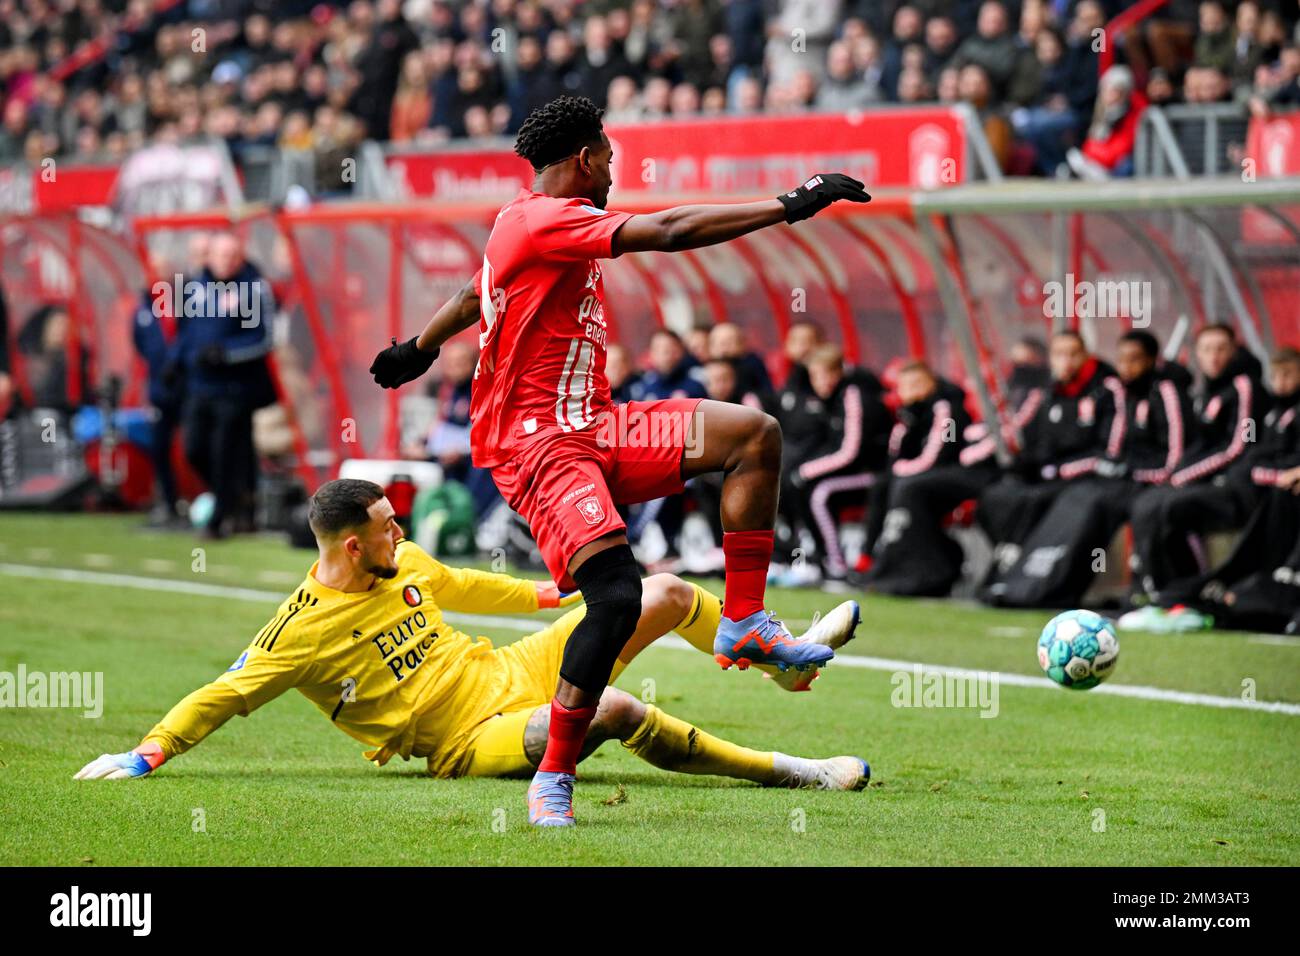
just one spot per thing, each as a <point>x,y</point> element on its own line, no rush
<point>383,571</point>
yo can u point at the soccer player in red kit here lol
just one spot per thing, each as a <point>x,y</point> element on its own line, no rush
<point>564,456</point>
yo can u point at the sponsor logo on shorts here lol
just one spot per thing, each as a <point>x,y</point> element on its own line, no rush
<point>581,490</point>
<point>591,510</point>
<point>411,595</point>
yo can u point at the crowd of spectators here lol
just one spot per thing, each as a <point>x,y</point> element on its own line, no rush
<point>325,76</point>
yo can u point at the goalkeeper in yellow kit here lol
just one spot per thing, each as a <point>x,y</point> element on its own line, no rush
<point>365,640</point>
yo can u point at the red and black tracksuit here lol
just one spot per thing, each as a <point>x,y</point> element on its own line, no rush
<point>1258,586</point>
<point>911,554</point>
<point>1072,431</point>
<point>1209,489</point>
<point>834,447</point>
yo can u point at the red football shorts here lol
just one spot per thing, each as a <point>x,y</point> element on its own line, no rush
<point>567,484</point>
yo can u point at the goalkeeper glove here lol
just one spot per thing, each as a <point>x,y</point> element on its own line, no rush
<point>139,762</point>
<point>399,364</point>
<point>819,192</point>
<point>549,595</point>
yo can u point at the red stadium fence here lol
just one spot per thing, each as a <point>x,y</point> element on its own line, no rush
<point>953,276</point>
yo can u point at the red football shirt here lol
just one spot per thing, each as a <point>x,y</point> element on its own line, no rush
<point>541,367</point>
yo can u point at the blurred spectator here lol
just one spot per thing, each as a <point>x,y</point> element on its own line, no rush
<point>975,89</point>
<point>45,343</point>
<point>1204,84</point>
<point>1215,43</point>
<point>993,48</point>
<point>799,36</point>
<point>600,62</point>
<point>850,445</point>
<point>222,352</point>
<point>1255,588</point>
<point>154,336</point>
<point>1051,116</point>
<point>800,339</point>
<point>843,89</point>
<point>727,341</point>
<point>908,28</point>
<point>1208,488</point>
<point>1067,428</point>
<point>697,341</point>
<point>669,375</point>
<point>412,104</point>
<point>1278,85</point>
<point>1108,150</point>
<point>910,553</point>
<point>624,379</point>
<point>722,383</point>
<point>1029,369</point>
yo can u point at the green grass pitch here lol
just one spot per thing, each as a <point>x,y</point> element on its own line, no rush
<point>1057,777</point>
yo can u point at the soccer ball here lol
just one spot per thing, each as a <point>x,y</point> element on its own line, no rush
<point>1078,649</point>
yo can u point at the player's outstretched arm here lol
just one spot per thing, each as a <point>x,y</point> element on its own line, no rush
<point>406,361</point>
<point>255,678</point>
<point>690,227</point>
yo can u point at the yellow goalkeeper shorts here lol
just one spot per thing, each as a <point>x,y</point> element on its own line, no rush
<point>527,673</point>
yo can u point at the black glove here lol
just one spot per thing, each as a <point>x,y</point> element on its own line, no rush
<point>399,364</point>
<point>818,193</point>
<point>212,356</point>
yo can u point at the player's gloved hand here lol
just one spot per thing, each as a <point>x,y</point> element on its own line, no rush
<point>549,595</point>
<point>139,762</point>
<point>819,192</point>
<point>401,363</point>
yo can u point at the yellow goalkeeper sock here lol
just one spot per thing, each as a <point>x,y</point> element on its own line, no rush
<point>672,744</point>
<point>700,625</point>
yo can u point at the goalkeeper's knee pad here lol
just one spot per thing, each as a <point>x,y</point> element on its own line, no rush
<point>611,587</point>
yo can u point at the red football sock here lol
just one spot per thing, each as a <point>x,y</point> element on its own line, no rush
<point>564,739</point>
<point>747,555</point>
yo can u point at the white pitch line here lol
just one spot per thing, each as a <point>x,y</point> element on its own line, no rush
<point>670,641</point>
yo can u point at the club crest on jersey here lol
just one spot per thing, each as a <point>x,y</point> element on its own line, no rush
<point>411,595</point>
<point>590,509</point>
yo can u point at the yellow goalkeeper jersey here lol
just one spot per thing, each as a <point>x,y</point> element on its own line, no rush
<point>383,664</point>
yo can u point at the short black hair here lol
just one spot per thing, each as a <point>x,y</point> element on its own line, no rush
<point>341,504</point>
<point>558,130</point>
<point>1144,340</point>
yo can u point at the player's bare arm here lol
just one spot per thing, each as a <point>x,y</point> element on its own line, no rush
<point>690,227</point>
